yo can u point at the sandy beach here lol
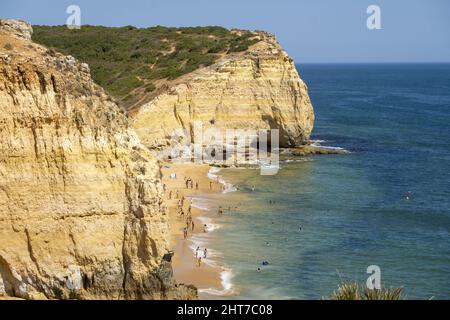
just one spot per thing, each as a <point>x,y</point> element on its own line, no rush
<point>207,276</point>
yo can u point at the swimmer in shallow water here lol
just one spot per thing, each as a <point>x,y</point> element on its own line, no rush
<point>407,196</point>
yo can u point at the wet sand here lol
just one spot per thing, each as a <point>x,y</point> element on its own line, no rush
<point>184,262</point>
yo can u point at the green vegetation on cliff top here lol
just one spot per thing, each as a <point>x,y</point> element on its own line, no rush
<point>123,59</point>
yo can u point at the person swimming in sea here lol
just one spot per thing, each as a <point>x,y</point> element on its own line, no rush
<point>253,187</point>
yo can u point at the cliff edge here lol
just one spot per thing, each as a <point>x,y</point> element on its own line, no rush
<point>256,89</point>
<point>81,209</point>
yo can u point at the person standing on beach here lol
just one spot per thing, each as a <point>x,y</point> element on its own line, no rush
<point>205,228</point>
<point>178,195</point>
<point>220,212</point>
<point>196,185</point>
<point>205,252</point>
<point>192,225</point>
<point>199,261</point>
<point>170,195</point>
<point>185,233</point>
<point>196,252</point>
<point>210,185</point>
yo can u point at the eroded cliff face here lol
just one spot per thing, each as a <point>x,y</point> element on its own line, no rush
<point>81,210</point>
<point>258,89</point>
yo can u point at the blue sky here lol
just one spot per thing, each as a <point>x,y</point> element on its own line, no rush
<point>310,30</point>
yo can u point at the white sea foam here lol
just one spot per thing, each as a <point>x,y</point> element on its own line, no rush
<point>201,240</point>
<point>332,148</point>
<point>227,286</point>
<point>297,160</point>
<point>200,204</point>
<point>317,142</point>
<point>210,226</point>
<point>212,173</point>
<point>228,187</point>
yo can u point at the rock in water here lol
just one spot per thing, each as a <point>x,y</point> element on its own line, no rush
<point>81,210</point>
<point>256,89</point>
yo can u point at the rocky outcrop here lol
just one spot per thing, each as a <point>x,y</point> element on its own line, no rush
<point>258,89</point>
<point>18,28</point>
<point>81,210</point>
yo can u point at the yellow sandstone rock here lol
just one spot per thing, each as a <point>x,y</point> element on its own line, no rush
<point>81,210</point>
<point>257,89</point>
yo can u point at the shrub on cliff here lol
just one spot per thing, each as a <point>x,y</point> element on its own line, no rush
<point>354,291</point>
<point>126,58</point>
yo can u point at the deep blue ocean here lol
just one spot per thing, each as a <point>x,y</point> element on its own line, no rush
<point>326,218</point>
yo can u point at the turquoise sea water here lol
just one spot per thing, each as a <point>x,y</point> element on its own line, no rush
<point>352,211</point>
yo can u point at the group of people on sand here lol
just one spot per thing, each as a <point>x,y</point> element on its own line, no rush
<point>190,183</point>
<point>184,211</point>
<point>177,195</point>
<point>189,221</point>
<point>198,257</point>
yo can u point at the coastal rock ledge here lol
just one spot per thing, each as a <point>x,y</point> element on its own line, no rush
<point>81,208</point>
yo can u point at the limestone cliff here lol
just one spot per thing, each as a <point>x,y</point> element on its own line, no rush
<point>81,210</point>
<point>257,89</point>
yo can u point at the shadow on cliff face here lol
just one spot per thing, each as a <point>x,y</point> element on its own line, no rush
<point>286,139</point>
